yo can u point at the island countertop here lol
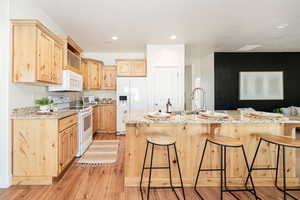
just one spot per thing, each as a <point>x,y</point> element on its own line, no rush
<point>191,132</point>
<point>234,117</point>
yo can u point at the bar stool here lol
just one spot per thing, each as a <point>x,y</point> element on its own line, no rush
<point>165,141</point>
<point>279,141</point>
<point>224,143</point>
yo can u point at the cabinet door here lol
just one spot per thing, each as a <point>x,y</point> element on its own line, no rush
<point>44,64</point>
<point>73,141</point>
<point>123,68</point>
<point>111,125</point>
<point>57,63</point>
<point>64,148</point>
<point>138,68</point>
<point>95,118</point>
<point>108,81</point>
<point>94,75</point>
<point>85,74</point>
<point>108,118</point>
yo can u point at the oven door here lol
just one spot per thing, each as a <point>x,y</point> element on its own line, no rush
<point>87,119</point>
<point>85,134</point>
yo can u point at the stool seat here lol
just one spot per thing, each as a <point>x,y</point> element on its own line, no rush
<point>286,141</point>
<point>161,139</point>
<point>226,141</point>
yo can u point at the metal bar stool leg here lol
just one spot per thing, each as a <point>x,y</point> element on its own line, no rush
<point>221,172</point>
<point>200,165</point>
<point>284,175</point>
<point>277,165</point>
<point>225,174</point>
<point>141,182</point>
<point>178,166</point>
<point>250,176</point>
<point>151,162</point>
<point>170,172</point>
<point>252,164</point>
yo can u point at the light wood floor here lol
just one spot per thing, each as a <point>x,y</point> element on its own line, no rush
<point>106,183</point>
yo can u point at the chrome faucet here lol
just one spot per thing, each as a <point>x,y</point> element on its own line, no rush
<point>202,98</point>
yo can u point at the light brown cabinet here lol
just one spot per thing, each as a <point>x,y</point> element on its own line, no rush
<point>37,53</point>
<point>71,54</point>
<point>131,67</point>
<point>68,146</point>
<point>107,118</point>
<point>42,149</point>
<point>92,71</point>
<point>104,118</point>
<point>95,118</point>
<point>108,79</point>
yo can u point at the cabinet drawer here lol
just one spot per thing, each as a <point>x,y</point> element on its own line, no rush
<point>67,122</point>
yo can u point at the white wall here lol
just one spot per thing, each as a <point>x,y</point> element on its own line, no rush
<point>202,67</point>
<point>109,59</point>
<point>5,147</point>
<point>207,79</point>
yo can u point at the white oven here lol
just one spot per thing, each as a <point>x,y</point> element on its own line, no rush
<point>85,130</point>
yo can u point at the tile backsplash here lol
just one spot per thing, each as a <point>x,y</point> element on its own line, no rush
<point>101,93</point>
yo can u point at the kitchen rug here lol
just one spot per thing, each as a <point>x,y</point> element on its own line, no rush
<point>101,152</point>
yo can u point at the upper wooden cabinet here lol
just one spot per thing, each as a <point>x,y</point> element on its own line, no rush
<point>108,79</point>
<point>71,54</point>
<point>92,72</point>
<point>36,53</point>
<point>131,67</point>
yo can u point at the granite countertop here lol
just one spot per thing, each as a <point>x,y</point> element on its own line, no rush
<point>52,115</point>
<point>32,112</point>
<point>234,117</point>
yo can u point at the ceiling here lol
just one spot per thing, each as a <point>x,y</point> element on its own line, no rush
<point>219,25</point>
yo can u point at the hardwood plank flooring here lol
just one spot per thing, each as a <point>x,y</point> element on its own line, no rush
<point>106,183</point>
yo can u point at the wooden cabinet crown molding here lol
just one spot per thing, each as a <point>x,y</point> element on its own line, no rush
<point>38,24</point>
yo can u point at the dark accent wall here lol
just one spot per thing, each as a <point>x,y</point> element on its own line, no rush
<point>228,66</point>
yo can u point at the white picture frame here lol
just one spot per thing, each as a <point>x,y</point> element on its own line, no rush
<point>261,85</point>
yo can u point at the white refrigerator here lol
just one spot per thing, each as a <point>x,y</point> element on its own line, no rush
<point>132,97</point>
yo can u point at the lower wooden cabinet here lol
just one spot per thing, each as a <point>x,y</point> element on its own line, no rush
<point>67,146</point>
<point>42,148</point>
<point>105,118</point>
<point>95,118</point>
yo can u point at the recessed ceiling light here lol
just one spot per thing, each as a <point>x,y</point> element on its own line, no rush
<point>114,38</point>
<point>282,26</point>
<point>173,37</point>
<point>249,47</point>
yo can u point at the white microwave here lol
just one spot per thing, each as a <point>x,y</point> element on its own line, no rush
<point>71,81</point>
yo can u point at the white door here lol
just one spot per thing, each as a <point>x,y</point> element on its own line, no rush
<point>166,84</point>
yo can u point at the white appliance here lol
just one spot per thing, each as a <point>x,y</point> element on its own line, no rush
<point>132,97</point>
<point>85,129</point>
<point>71,81</point>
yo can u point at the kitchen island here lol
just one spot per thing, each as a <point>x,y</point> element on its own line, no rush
<point>190,132</point>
